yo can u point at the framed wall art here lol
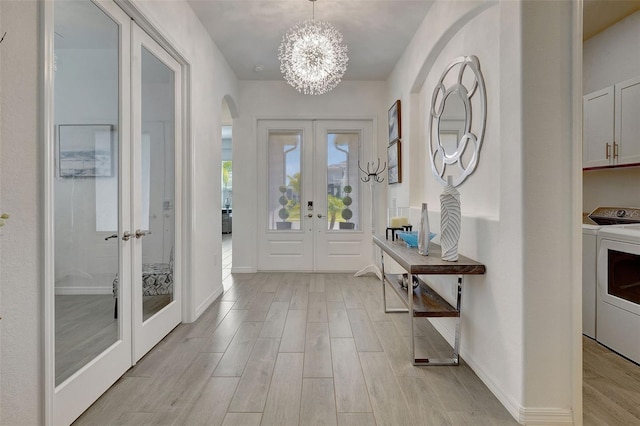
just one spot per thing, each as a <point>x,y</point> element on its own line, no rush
<point>395,132</point>
<point>394,161</point>
<point>85,150</point>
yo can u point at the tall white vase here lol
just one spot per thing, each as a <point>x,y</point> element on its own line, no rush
<point>423,232</point>
<point>450,221</point>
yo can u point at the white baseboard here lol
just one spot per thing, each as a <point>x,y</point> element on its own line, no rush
<point>243,270</point>
<point>523,415</point>
<point>75,291</point>
<point>208,301</point>
<point>545,416</point>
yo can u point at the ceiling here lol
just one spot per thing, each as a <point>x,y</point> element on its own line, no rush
<point>248,32</point>
<point>598,15</point>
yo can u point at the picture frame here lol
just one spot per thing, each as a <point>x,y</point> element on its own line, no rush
<point>85,150</point>
<point>394,163</point>
<point>395,129</point>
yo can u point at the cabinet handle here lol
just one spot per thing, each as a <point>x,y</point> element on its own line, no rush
<point>607,151</point>
<point>615,150</point>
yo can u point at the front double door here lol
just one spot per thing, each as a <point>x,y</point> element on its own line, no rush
<point>116,198</point>
<point>313,207</point>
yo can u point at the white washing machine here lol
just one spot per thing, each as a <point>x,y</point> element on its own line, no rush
<point>618,296</point>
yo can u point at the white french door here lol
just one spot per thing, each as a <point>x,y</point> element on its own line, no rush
<point>156,206</point>
<point>314,209</point>
<point>116,202</point>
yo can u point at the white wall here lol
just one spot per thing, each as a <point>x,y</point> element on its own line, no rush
<point>516,323</point>
<point>609,59</point>
<point>276,99</point>
<point>211,79</point>
<point>21,240</point>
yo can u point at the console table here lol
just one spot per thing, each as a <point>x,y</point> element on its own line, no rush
<point>424,301</point>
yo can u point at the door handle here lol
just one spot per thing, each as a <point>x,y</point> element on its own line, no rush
<point>320,216</point>
<point>140,234</point>
<point>310,215</point>
<point>111,236</point>
<point>126,235</point>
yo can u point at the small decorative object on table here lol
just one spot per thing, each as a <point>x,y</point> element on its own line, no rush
<point>423,232</point>
<point>404,281</point>
<point>450,221</point>
<point>397,220</point>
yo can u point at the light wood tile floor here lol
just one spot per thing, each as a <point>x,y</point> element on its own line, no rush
<point>292,348</point>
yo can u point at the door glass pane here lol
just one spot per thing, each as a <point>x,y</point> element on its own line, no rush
<point>284,179</point>
<point>86,184</point>
<point>157,223</point>
<point>343,182</point>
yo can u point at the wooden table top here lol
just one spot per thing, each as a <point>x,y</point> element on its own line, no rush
<point>432,264</point>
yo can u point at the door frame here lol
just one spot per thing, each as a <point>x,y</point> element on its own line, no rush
<point>367,150</point>
<point>46,102</point>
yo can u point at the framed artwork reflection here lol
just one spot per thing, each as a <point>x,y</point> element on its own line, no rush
<point>85,150</point>
<point>395,132</point>
<point>394,161</point>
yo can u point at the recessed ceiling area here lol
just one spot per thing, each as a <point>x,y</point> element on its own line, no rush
<point>598,15</point>
<point>248,32</point>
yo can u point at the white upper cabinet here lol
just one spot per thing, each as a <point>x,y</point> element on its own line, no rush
<point>611,125</point>
<point>627,122</point>
<point>598,128</point>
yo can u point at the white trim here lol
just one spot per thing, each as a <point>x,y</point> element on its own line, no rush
<point>545,416</point>
<point>48,216</point>
<point>244,269</point>
<point>576,252</point>
<point>208,301</point>
<point>77,291</point>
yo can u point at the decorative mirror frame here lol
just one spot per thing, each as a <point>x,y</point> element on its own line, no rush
<point>438,101</point>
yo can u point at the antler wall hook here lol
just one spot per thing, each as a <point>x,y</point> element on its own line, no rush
<point>373,173</point>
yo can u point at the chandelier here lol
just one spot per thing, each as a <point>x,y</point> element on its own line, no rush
<point>312,56</point>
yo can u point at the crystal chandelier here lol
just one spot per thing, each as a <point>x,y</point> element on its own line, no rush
<point>312,56</point>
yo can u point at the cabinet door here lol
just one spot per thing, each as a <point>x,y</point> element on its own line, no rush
<point>627,124</point>
<point>598,133</point>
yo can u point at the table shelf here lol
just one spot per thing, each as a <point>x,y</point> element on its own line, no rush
<point>424,301</point>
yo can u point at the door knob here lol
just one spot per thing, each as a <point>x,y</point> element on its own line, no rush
<point>140,234</point>
<point>310,215</point>
<point>320,216</point>
<point>126,235</point>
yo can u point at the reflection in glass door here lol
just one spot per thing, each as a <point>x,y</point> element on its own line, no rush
<point>90,190</point>
<point>156,130</point>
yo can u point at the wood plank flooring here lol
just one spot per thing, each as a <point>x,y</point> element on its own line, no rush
<point>293,348</point>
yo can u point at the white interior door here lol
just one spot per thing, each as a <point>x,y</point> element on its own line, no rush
<point>314,211</point>
<point>91,196</point>
<point>156,207</point>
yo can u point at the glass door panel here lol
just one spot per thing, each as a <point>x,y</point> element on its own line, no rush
<point>343,189</point>
<point>86,185</point>
<point>157,224</point>
<point>284,169</point>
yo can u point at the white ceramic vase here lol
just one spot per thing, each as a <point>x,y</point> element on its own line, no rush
<point>450,221</point>
<point>423,232</point>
